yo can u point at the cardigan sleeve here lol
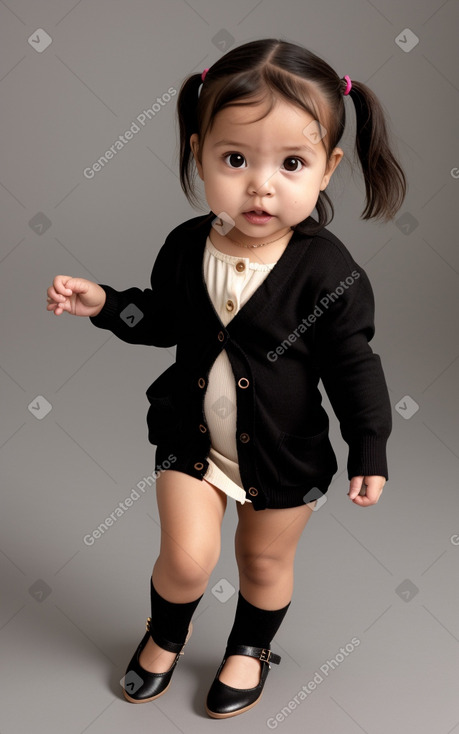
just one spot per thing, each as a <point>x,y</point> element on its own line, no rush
<point>351,373</point>
<point>145,316</point>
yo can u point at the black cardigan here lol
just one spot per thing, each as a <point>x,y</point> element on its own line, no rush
<point>311,318</point>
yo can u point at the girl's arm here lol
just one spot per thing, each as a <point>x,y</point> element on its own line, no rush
<point>353,376</point>
<point>135,316</point>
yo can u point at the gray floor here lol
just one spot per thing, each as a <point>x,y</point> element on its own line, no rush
<point>379,583</point>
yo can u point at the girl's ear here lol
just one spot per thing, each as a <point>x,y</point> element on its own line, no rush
<point>332,164</point>
<point>194,145</point>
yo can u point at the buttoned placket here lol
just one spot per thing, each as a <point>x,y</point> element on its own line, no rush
<point>243,383</point>
<point>244,397</point>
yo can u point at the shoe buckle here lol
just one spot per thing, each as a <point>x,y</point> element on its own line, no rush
<point>265,655</point>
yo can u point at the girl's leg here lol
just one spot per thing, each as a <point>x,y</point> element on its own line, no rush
<point>191,513</point>
<point>265,544</point>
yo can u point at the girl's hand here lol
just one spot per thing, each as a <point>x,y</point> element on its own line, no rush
<point>78,296</point>
<point>373,487</point>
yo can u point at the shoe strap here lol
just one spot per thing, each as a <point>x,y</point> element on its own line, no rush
<point>176,647</point>
<point>262,653</point>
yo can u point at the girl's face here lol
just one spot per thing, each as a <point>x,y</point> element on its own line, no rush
<point>265,174</point>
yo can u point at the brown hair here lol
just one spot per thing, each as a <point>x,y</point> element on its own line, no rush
<point>247,73</point>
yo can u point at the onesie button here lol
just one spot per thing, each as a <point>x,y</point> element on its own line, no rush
<point>253,491</point>
<point>201,382</point>
<point>243,382</point>
<point>240,266</point>
<point>220,336</point>
<point>244,437</point>
<point>229,305</point>
<point>202,428</point>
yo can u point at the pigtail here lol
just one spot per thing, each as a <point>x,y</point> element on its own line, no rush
<point>187,104</point>
<point>385,182</point>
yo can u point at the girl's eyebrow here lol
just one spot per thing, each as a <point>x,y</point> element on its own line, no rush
<point>284,149</point>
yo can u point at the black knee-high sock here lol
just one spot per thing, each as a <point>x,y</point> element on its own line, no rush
<point>254,626</point>
<point>170,621</point>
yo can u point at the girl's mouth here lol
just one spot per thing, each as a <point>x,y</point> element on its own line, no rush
<point>257,216</point>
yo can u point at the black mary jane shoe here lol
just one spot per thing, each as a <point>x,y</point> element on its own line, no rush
<point>141,686</point>
<point>223,700</point>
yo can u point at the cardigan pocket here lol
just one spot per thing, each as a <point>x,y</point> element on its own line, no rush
<point>164,416</point>
<point>305,460</point>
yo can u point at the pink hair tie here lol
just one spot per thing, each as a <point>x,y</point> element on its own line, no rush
<point>203,76</point>
<point>348,85</point>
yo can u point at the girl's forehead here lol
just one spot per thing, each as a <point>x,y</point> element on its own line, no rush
<point>282,116</point>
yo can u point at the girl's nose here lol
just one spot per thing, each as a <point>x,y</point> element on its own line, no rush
<point>261,184</point>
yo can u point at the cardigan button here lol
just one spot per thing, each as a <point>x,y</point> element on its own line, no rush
<point>229,305</point>
<point>240,266</point>
<point>199,465</point>
<point>244,437</point>
<point>253,491</point>
<point>202,428</point>
<point>220,336</point>
<point>243,382</point>
<point>201,382</point>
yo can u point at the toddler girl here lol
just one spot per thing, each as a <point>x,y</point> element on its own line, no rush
<point>261,301</point>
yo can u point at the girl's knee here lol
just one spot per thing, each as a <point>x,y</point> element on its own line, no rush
<point>263,570</point>
<point>188,567</point>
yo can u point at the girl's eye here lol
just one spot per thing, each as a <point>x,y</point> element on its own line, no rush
<point>293,164</point>
<point>234,160</point>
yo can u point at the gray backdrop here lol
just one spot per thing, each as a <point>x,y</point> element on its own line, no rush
<point>74,77</point>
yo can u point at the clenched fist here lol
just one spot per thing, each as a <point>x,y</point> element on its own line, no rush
<point>78,296</point>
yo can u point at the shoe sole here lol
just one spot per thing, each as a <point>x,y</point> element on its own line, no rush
<point>152,698</point>
<point>214,715</point>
